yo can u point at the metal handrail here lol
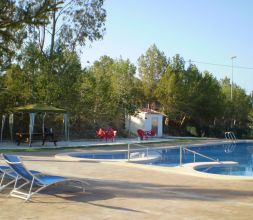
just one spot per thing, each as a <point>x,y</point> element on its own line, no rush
<point>129,149</point>
<point>194,154</point>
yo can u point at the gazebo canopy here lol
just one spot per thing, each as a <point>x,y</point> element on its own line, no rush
<point>32,110</point>
<point>39,108</point>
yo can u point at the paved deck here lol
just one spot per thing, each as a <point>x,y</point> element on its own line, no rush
<point>80,143</point>
<point>122,191</point>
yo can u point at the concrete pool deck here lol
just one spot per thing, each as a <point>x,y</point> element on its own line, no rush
<point>127,191</point>
<point>80,143</point>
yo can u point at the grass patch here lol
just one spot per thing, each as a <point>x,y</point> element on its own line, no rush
<point>118,146</point>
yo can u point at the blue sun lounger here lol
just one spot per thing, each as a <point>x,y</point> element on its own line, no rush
<point>38,180</point>
<point>8,176</point>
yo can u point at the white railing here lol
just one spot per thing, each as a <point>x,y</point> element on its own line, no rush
<point>194,155</point>
<point>145,153</point>
<point>229,135</point>
<point>137,154</point>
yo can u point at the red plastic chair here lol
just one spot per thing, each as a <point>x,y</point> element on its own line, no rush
<point>110,134</point>
<point>151,133</point>
<point>101,133</point>
<point>141,134</point>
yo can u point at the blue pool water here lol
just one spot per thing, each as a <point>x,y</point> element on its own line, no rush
<point>103,156</point>
<point>239,152</point>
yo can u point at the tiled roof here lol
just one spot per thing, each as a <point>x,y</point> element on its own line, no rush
<point>150,111</point>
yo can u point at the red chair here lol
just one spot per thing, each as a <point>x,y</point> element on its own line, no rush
<point>145,134</point>
<point>151,133</point>
<point>101,133</point>
<point>110,134</point>
<point>141,134</point>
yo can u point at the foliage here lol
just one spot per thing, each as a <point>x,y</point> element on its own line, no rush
<point>46,73</point>
<point>198,100</point>
<point>72,24</point>
<point>108,92</point>
<point>14,17</point>
<point>237,111</point>
<point>151,67</point>
<point>104,93</point>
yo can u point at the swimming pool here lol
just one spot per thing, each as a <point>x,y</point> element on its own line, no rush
<point>137,156</point>
<point>103,155</point>
<point>242,153</point>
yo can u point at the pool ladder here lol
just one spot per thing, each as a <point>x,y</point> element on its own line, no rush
<point>229,135</point>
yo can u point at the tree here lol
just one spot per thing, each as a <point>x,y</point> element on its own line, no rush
<point>208,104</point>
<point>151,67</point>
<point>74,23</point>
<point>189,97</point>
<point>12,83</point>
<point>109,92</point>
<point>123,85</point>
<point>64,75</point>
<point>96,92</point>
<point>237,111</point>
<point>251,98</point>
<point>172,92</point>
<point>178,64</point>
<point>14,17</point>
<point>28,80</point>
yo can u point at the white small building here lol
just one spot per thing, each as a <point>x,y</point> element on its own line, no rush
<point>145,119</point>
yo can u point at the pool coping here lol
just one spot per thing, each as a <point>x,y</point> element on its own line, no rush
<point>185,169</point>
<point>188,170</point>
<point>67,157</point>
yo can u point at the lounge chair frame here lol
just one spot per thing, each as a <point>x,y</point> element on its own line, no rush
<point>33,180</point>
<point>6,172</point>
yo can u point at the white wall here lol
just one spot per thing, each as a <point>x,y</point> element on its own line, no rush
<point>136,122</point>
<point>148,123</point>
<point>144,121</point>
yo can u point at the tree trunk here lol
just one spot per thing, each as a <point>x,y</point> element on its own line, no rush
<point>53,34</point>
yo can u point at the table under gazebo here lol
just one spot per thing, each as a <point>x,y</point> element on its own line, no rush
<point>33,110</point>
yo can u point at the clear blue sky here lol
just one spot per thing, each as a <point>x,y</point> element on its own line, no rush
<point>209,31</point>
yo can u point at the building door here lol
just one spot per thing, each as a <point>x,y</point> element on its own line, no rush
<point>155,124</point>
